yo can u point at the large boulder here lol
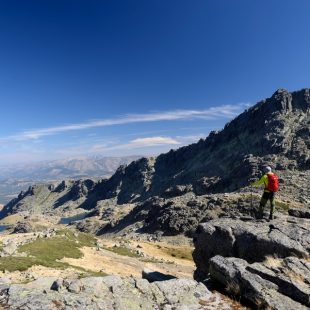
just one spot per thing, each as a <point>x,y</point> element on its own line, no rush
<point>266,263</point>
<point>250,240</point>
<point>23,227</point>
<point>264,286</point>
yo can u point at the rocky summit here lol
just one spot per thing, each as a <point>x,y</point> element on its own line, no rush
<point>155,211</point>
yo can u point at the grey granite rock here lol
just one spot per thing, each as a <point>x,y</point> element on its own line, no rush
<point>292,282</point>
<point>110,292</point>
<point>252,240</point>
<point>243,279</point>
<point>299,212</point>
<point>267,263</point>
<point>23,227</point>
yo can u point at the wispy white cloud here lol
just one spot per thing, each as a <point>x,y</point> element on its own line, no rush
<point>152,141</point>
<point>224,111</point>
<point>139,143</point>
<point>143,144</point>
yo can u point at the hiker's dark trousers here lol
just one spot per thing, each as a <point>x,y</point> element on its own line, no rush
<point>266,196</point>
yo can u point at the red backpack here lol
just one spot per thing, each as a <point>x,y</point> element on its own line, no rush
<point>273,182</point>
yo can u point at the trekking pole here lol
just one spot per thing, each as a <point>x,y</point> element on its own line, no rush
<point>251,196</point>
<point>251,191</point>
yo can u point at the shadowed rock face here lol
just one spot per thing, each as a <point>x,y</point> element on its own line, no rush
<point>267,263</point>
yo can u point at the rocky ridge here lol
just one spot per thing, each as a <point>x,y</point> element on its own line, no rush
<point>274,131</point>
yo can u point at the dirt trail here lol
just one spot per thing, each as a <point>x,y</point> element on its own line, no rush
<point>167,252</point>
<point>112,263</point>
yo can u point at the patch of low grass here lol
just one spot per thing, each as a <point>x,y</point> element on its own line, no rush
<point>155,261</point>
<point>89,273</point>
<point>273,262</point>
<point>47,252</point>
<point>11,263</point>
<point>249,197</point>
<point>282,205</point>
<point>181,252</point>
<point>52,249</point>
<point>294,277</point>
<point>58,247</point>
<point>124,251</point>
<point>11,219</point>
<point>233,287</point>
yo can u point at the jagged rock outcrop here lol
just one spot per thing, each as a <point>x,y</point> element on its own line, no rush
<point>47,198</point>
<point>23,227</point>
<point>178,215</point>
<point>281,285</point>
<point>267,263</point>
<point>110,292</point>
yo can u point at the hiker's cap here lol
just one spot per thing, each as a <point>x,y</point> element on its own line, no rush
<point>267,169</point>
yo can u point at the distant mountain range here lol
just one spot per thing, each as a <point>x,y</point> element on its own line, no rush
<point>14,178</point>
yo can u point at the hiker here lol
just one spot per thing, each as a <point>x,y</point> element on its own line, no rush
<point>271,183</point>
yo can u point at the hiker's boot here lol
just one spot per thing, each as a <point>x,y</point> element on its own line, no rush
<point>260,213</point>
<point>271,217</point>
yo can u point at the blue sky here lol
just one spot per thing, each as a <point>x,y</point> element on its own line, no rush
<point>139,77</point>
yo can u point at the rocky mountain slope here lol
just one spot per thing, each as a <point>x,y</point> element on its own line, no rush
<point>275,131</point>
